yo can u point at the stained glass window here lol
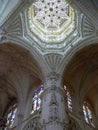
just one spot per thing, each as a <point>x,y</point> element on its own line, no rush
<point>36,101</point>
<point>87,114</point>
<point>11,116</point>
<point>69,99</point>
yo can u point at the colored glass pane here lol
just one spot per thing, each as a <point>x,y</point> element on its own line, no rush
<point>36,101</point>
<point>69,99</point>
<point>87,114</point>
<point>11,116</point>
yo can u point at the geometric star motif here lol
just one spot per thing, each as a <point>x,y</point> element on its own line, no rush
<point>51,13</point>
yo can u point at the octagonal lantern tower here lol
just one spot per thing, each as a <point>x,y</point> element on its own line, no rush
<point>51,20</point>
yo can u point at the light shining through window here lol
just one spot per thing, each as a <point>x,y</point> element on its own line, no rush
<point>36,101</point>
<point>51,13</point>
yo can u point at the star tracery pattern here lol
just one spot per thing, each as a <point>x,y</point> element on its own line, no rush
<point>51,13</point>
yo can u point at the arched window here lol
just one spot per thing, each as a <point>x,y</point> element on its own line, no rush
<point>69,99</point>
<point>36,101</point>
<point>11,116</point>
<point>87,114</point>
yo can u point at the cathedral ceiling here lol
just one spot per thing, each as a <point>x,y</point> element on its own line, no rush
<point>6,8</point>
<point>15,62</point>
<point>18,70</point>
<point>82,75</point>
<point>95,2</point>
<point>51,21</point>
<point>36,26</point>
<point>88,7</point>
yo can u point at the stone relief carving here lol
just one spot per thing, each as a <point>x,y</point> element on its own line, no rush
<point>53,100</point>
<point>53,113</point>
<point>53,77</point>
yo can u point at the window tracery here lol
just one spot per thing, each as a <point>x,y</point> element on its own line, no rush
<point>36,101</point>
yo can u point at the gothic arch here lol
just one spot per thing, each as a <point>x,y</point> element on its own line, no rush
<point>81,72</point>
<point>19,72</point>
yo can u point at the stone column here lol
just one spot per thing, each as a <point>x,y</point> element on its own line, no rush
<point>53,114</point>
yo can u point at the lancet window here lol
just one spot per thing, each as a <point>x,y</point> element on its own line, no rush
<point>68,98</point>
<point>36,100</point>
<point>87,114</point>
<point>11,116</point>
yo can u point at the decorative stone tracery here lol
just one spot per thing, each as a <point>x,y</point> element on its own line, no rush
<point>51,13</point>
<point>53,20</point>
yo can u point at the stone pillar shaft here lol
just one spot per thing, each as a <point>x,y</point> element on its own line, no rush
<point>53,115</point>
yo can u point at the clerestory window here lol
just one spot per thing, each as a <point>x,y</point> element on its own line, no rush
<point>11,116</point>
<point>87,114</point>
<point>69,99</point>
<point>36,100</point>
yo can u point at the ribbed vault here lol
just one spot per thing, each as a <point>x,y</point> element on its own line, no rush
<point>19,71</point>
<point>81,75</point>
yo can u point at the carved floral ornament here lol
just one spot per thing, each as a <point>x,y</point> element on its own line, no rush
<point>51,20</point>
